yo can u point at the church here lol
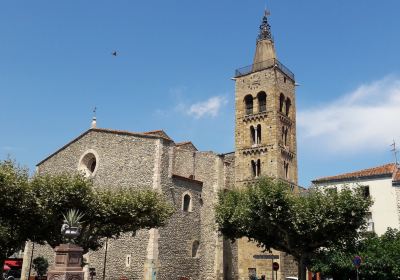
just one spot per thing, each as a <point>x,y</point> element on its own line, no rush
<point>189,246</point>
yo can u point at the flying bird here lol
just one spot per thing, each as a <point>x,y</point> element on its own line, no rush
<point>114,53</point>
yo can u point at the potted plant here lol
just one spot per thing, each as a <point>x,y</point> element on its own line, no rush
<point>72,222</point>
<point>40,265</point>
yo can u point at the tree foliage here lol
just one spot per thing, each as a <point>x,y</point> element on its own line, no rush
<point>40,265</point>
<point>17,209</point>
<point>270,214</point>
<point>32,209</point>
<point>107,213</point>
<point>380,258</point>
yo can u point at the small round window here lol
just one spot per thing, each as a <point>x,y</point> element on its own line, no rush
<point>88,164</point>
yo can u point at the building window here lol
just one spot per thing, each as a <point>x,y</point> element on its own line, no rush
<point>256,168</point>
<point>252,135</point>
<point>195,249</point>
<point>288,104</point>
<point>370,222</point>
<point>285,136</point>
<point>252,273</point>
<point>262,101</point>
<point>286,169</point>
<point>128,260</point>
<point>88,163</point>
<point>258,134</point>
<point>281,102</point>
<point>365,191</point>
<point>248,100</point>
<point>187,203</point>
<point>255,135</point>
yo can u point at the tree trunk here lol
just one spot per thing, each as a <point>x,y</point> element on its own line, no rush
<point>301,269</point>
<point>2,260</point>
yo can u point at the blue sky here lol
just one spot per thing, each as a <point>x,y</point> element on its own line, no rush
<point>173,72</point>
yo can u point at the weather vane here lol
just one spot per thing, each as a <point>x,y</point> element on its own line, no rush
<point>395,151</point>
<point>94,111</point>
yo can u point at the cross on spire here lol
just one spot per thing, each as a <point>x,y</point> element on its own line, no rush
<point>395,151</point>
<point>265,28</point>
<point>94,119</point>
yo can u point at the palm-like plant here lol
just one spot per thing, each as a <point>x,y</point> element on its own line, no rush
<point>72,223</point>
<point>73,218</point>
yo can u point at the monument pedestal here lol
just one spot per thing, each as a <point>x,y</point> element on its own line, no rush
<point>67,265</point>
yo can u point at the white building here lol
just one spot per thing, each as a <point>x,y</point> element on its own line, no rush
<point>382,184</point>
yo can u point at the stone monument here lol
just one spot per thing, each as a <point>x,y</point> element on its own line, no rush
<point>68,257</point>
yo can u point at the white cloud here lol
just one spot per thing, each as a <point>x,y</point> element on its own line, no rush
<point>210,107</point>
<point>363,120</point>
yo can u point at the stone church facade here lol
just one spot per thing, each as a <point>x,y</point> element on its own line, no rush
<point>189,246</point>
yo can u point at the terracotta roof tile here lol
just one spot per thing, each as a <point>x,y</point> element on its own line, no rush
<point>387,169</point>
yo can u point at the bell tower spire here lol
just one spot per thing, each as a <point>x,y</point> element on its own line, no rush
<point>265,28</point>
<point>265,49</point>
<point>265,136</point>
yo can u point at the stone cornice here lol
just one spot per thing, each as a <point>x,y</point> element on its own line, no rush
<point>255,117</point>
<point>285,119</point>
<point>259,149</point>
<point>286,152</point>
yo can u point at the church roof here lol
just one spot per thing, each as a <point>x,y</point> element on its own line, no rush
<point>186,145</point>
<point>386,170</point>
<point>160,133</point>
<point>150,134</point>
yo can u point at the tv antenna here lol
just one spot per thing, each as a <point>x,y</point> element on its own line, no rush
<point>395,151</point>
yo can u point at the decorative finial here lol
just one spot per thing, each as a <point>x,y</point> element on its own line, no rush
<point>395,151</point>
<point>94,120</point>
<point>265,28</point>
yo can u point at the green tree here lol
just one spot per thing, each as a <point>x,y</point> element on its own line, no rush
<point>107,213</point>
<point>32,209</point>
<point>40,265</point>
<point>17,209</point>
<point>380,258</point>
<point>275,217</point>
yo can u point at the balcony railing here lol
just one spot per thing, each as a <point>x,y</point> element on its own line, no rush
<point>264,65</point>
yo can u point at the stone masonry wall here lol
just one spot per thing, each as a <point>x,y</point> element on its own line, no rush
<point>272,82</point>
<point>177,237</point>
<point>123,161</point>
<point>272,150</point>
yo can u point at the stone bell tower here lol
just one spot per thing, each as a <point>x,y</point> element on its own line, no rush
<point>265,137</point>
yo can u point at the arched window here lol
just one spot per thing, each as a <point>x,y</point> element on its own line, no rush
<point>252,135</point>
<point>288,104</point>
<point>285,131</point>
<point>248,100</point>
<point>258,139</point>
<point>286,169</point>
<point>187,203</point>
<point>262,101</point>
<point>88,163</point>
<point>195,248</point>
<point>256,168</point>
<point>253,168</point>
<point>281,102</point>
<point>286,136</point>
